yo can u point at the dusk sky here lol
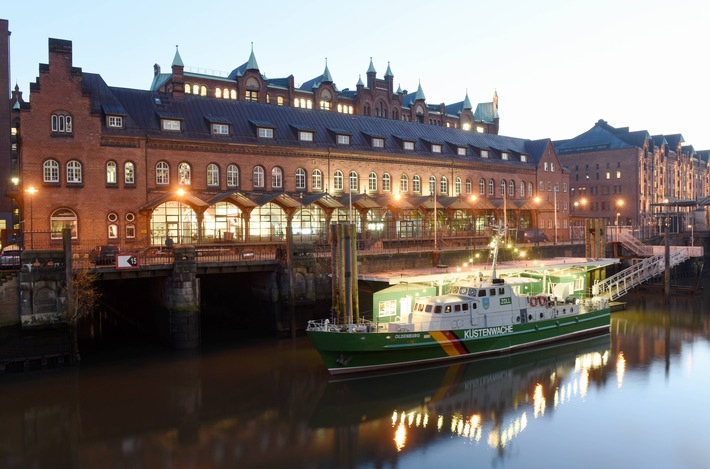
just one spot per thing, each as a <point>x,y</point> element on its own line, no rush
<point>557,66</point>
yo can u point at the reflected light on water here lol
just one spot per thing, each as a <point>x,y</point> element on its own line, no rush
<point>539,401</point>
<point>400,437</point>
<point>620,369</point>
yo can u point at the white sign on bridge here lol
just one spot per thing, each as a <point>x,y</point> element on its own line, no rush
<point>127,261</point>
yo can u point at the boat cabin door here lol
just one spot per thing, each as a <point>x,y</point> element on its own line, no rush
<point>473,311</point>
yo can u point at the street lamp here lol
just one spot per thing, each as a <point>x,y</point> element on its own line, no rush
<point>31,191</point>
<point>692,235</point>
<point>180,234</point>
<point>617,218</point>
<point>619,204</point>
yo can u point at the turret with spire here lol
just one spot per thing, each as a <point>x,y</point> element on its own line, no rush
<point>178,78</point>
<point>371,74</point>
<point>389,78</point>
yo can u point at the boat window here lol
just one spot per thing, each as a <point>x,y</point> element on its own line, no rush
<point>501,290</point>
<point>481,292</point>
<point>464,306</point>
<point>447,309</point>
<point>463,290</point>
<point>493,292</point>
<point>427,309</point>
<point>474,305</point>
<point>457,308</point>
<point>437,309</point>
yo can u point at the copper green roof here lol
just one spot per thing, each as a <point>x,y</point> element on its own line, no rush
<point>371,68</point>
<point>388,73</point>
<point>177,60</point>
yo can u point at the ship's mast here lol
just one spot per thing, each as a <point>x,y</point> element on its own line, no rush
<point>496,242</point>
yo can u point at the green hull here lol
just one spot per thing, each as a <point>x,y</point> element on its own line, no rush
<point>350,352</point>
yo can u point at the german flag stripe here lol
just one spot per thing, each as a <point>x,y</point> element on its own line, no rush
<point>449,342</point>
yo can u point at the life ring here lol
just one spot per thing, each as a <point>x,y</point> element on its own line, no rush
<point>542,301</point>
<point>533,301</point>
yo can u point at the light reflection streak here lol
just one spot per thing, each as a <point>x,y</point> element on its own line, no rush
<point>620,369</point>
<point>500,434</point>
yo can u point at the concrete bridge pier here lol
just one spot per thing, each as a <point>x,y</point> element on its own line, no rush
<point>181,300</point>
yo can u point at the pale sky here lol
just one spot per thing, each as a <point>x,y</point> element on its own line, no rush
<point>558,66</point>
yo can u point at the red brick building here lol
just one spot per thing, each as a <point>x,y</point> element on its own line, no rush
<point>241,157</point>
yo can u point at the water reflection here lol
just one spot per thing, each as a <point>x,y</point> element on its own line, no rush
<point>271,404</point>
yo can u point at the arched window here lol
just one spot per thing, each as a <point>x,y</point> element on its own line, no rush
<point>530,190</point>
<point>354,181</point>
<point>404,183</point>
<point>258,177</point>
<point>482,186</point>
<point>469,185</point>
<point>73,172</point>
<point>162,173</point>
<point>522,189</point>
<point>212,175</point>
<point>444,185</point>
<point>317,180</point>
<point>503,187</point>
<point>491,188</point>
<point>218,93</point>
<point>129,173</point>
<point>111,172</point>
<point>386,182</point>
<point>277,178</point>
<point>372,182</point>
<point>51,171</point>
<point>195,89</point>
<point>338,180</point>
<point>432,185</point>
<point>184,174</point>
<point>61,123</point>
<point>60,219</point>
<point>232,94</point>
<point>457,187</point>
<point>188,89</point>
<point>203,90</point>
<point>232,175</point>
<point>511,189</point>
<point>417,184</point>
<point>300,179</point>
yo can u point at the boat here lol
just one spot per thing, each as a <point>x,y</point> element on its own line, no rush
<point>476,317</point>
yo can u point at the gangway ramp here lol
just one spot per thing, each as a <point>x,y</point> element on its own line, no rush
<point>620,283</point>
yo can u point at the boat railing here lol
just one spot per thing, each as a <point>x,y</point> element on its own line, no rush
<point>326,325</point>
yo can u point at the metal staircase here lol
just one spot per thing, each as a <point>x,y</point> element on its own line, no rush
<point>618,284</point>
<point>632,244</point>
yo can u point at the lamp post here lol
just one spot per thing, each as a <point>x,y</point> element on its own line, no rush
<point>617,218</point>
<point>554,195</point>
<point>692,235</point>
<point>180,193</point>
<point>31,191</point>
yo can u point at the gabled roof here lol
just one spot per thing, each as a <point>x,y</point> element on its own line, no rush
<point>486,113</point>
<point>602,137</point>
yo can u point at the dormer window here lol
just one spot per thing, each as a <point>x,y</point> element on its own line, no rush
<point>435,148</point>
<point>170,125</point>
<point>504,156</point>
<point>524,158</point>
<point>220,129</point>
<point>265,132</point>
<point>378,142</point>
<point>115,122</point>
<point>461,151</point>
<point>409,146</point>
<point>343,139</point>
<point>305,136</point>
<point>484,153</point>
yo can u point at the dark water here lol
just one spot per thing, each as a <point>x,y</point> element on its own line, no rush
<point>633,398</point>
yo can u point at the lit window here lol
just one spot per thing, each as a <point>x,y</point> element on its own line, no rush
<point>317,180</point>
<point>73,172</point>
<point>545,165</point>
<point>466,126</point>
<point>258,177</point>
<point>404,183</point>
<point>279,100</point>
<point>378,142</point>
<point>61,219</point>
<point>409,146</point>
<point>504,156</point>
<point>218,93</point>
<point>338,180</point>
<point>129,173</point>
<point>51,171</point>
<point>184,174</point>
<point>265,132</point>
<point>220,129</point>
<point>188,90</point>
<point>232,94</point>
<point>162,173</point>
<point>251,96</point>
<point>111,172</point>
<point>343,139</point>
<point>112,231</point>
<point>305,136</point>
<point>461,151</point>
<point>300,179</point>
<point>524,158</point>
<point>552,167</point>
<point>130,231</point>
<point>115,121</point>
<point>618,175</point>
<point>436,148</point>
<point>325,105</point>
<point>484,153</point>
<point>195,89</point>
<point>225,93</point>
<point>171,124</point>
<point>212,175</point>
<point>232,175</point>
